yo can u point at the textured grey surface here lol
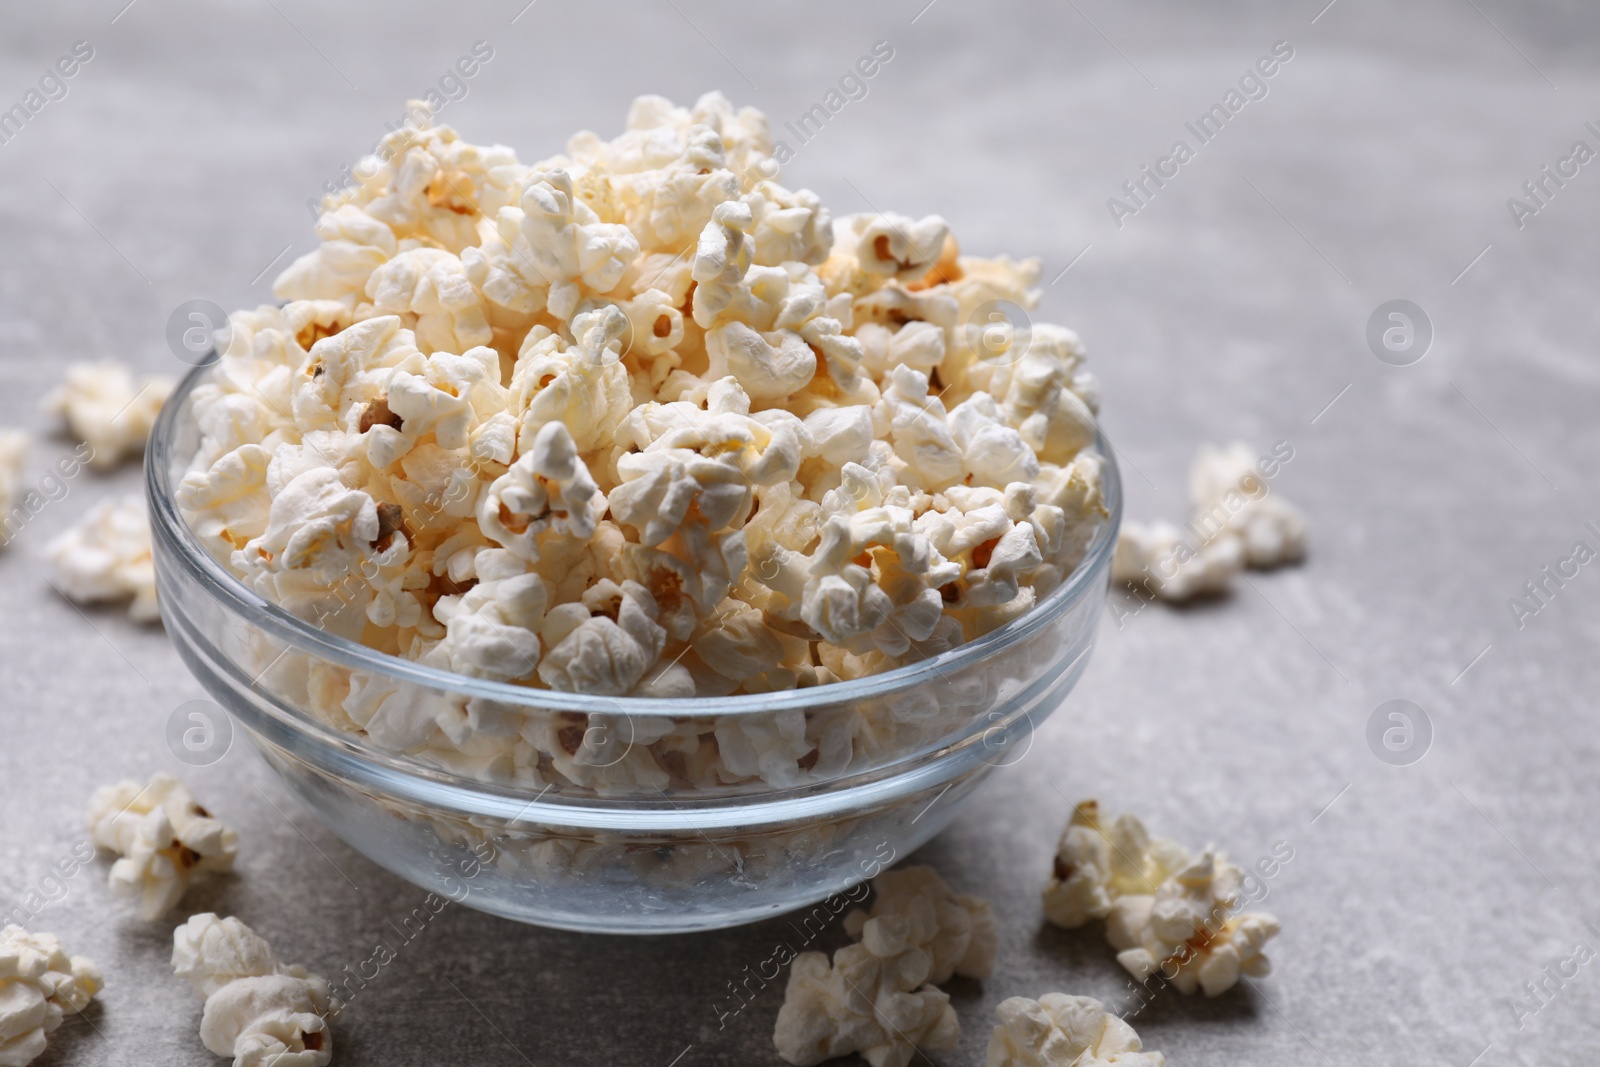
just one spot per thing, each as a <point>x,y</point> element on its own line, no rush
<point>1234,305</point>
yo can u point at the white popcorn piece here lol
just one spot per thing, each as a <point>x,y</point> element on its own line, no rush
<point>547,492</point>
<point>895,245</point>
<point>106,557</point>
<point>1096,864</point>
<point>13,457</point>
<point>1229,496</point>
<point>1155,557</point>
<point>257,1011</point>
<point>164,839</point>
<point>1058,1030</point>
<point>107,409</point>
<point>39,986</point>
<point>209,952</point>
<point>1185,930</point>
<point>879,997</point>
<point>914,906</point>
<point>1166,911</point>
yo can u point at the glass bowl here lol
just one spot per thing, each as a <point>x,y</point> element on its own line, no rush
<point>610,834</point>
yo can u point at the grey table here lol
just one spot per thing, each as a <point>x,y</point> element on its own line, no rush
<point>1232,302</point>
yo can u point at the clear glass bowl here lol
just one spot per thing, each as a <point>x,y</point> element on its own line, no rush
<point>614,838</point>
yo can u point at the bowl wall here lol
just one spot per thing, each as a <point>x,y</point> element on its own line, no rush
<point>616,826</point>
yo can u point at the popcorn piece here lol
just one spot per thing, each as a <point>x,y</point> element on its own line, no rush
<point>1165,910</point>
<point>864,1004</point>
<point>164,838</point>
<point>39,986</point>
<point>257,1010</point>
<point>105,556</point>
<point>878,997</point>
<point>1094,866</point>
<point>548,492</point>
<point>957,931</point>
<point>895,245</point>
<point>1185,930</point>
<point>108,410</point>
<point>1230,497</point>
<point>1157,558</point>
<point>1064,1031</point>
<point>13,454</point>
<point>208,953</point>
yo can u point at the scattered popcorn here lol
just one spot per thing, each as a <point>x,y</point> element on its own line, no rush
<point>107,409</point>
<point>957,931</point>
<point>105,556</point>
<point>637,420</point>
<point>39,985</point>
<point>257,1010</point>
<point>879,997</point>
<point>1166,910</point>
<point>13,454</point>
<point>1157,558</point>
<point>164,838</point>
<point>1062,1031</point>
<point>1229,496</point>
<point>208,953</point>
<point>1184,929</point>
<point>1236,522</point>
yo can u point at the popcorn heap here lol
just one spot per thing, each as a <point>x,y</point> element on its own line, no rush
<point>257,1010</point>
<point>638,420</point>
<point>105,557</point>
<point>1237,522</point>
<point>107,409</point>
<point>39,985</point>
<point>880,997</point>
<point>164,838</point>
<point>1166,910</point>
<point>1063,1031</point>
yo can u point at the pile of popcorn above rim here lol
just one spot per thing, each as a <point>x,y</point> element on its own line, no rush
<point>639,421</point>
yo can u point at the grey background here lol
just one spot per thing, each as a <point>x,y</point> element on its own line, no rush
<point>1419,899</point>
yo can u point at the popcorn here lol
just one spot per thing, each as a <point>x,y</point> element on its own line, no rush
<point>1156,557</point>
<point>164,838</point>
<point>957,931</point>
<point>208,953</point>
<point>105,556</point>
<point>1166,911</point>
<point>39,985</point>
<point>108,410</point>
<point>13,454</point>
<point>257,1010</point>
<point>1230,498</point>
<point>638,420</point>
<point>879,996</point>
<point>895,245</point>
<point>1064,1031</point>
<point>1235,524</point>
<point>1184,929</point>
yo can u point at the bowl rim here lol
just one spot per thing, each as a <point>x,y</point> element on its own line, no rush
<point>224,587</point>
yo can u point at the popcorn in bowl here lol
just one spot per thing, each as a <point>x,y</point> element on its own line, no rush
<point>638,420</point>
